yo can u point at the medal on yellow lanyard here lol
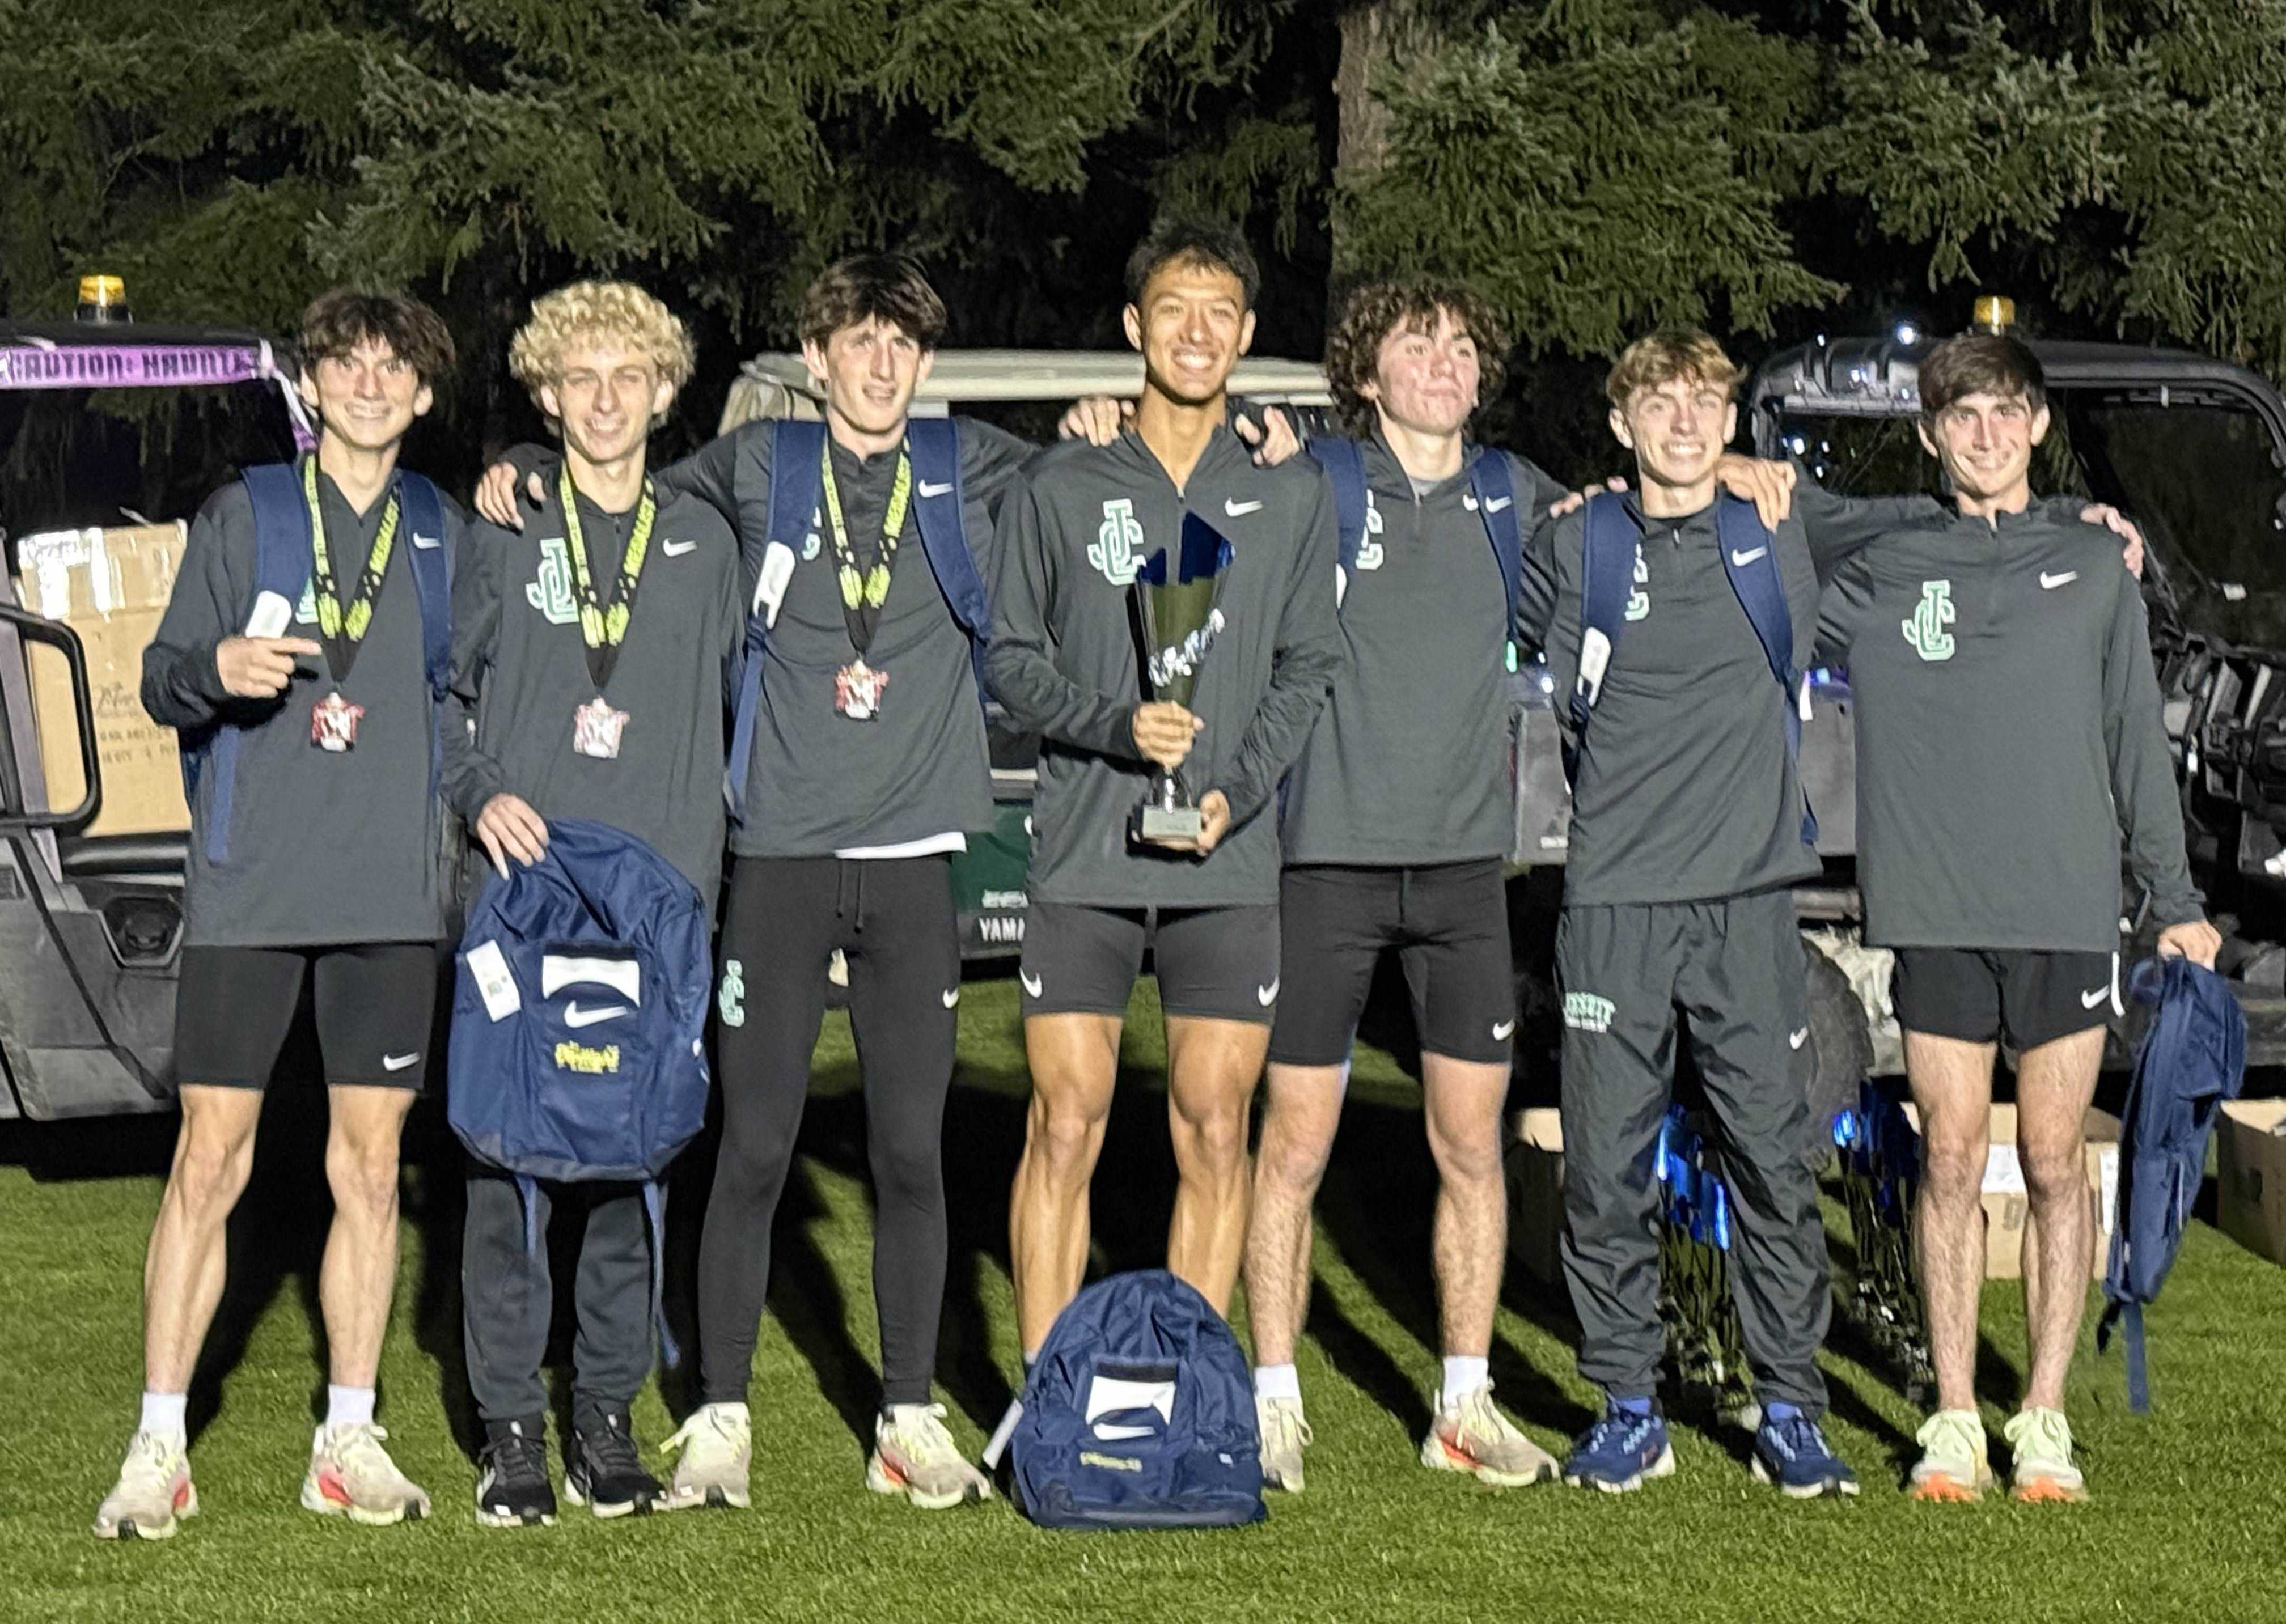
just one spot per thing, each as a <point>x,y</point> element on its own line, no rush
<point>858,687</point>
<point>334,719</point>
<point>597,726</point>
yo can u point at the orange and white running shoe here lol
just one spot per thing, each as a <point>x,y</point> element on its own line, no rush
<point>2043,1468</point>
<point>1953,1466</point>
<point>154,1491</point>
<point>351,1475</point>
<point>914,1455</point>
<point>1474,1437</point>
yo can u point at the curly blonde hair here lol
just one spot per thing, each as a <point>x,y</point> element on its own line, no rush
<point>620,311</point>
<point>1662,358</point>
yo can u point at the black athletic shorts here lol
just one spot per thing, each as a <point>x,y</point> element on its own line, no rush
<point>376,1007</point>
<point>1981,996</point>
<point>1214,963</point>
<point>1448,922</point>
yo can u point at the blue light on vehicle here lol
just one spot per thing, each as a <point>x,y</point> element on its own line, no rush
<point>1908,334</point>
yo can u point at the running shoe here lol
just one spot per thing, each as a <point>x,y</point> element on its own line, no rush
<point>512,1487</point>
<point>914,1455</point>
<point>1953,1466</point>
<point>2043,1469</point>
<point>1284,1436</point>
<point>605,1472</point>
<point>153,1492</point>
<point>1792,1453</point>
<point>351,1475</point>
<point>1621,1452</point>
<point>1472,1436</point>
<point>718,1452</point>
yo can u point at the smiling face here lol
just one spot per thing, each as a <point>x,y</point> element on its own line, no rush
<point>1985,441</point>
<point>1426,379</point>
<point>606,393</point>
<point>1192,324</point>
<point>869,371</point>
<point>367,396</point>
<point>1678,429</point>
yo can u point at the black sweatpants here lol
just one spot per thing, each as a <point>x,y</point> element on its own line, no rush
<point>1733,968</point>
<point>508,1300</point>
<point>894,919</point>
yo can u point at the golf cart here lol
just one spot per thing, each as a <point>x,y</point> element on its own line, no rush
<point>102,422</point>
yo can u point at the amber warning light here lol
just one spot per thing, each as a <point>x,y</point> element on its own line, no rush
<point>1995,313</point>
<point>103,298</point>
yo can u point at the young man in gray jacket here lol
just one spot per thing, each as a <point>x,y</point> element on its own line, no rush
<point>1688,831</point>
<point>1065,659</point>
<point>314,861</point>
<point>591,659</point>
<point>2008,736</point>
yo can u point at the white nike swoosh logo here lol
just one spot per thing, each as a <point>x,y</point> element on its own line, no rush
<point>1740,561</point>
<point>951,997</point>
<point>1500,1029</point>
<point>574,1015</point>
<point>1031,982</point>
<point>1267,995</point>
<point>934,490</point>
<point>425,542</point>
<point>1238,511</point>
<point>2089,1000</point>
<point>2049,583</point>
<point>1794,1040</point>
<point>399,1062</point>
<point>675,549</point>
<point>1497,503</point>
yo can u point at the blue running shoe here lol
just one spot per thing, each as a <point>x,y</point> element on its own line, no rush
<point>1792,1453</point>
<point>1620,1452</point>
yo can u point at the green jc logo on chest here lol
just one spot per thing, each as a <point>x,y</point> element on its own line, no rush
<point>1925,628</point>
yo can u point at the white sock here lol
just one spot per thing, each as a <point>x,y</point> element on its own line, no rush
<point>1278,1381</point>
<point>1463,1376</point>
<point>162,1412</point>
<point>348,1406</point>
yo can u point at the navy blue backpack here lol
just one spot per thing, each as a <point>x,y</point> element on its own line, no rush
<point>797,489</point>
<point>283,564</point>
<point>1750,560</point>
<point>578,1018</point>
<point>1138,1412</point>
<point>2193,1058</point>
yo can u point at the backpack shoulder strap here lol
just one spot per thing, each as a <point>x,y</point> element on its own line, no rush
<point>282,564</point>
<point>1494,484</point>
<point>281,530</point>
<point>1750,559</point>
<point>1343,463</point>
<point>1608,541</point>
<point>796,490</point>
<point>432,575</point>
<point>940,505</point>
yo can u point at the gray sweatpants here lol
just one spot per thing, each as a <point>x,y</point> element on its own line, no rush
<point>1732,969</point>
<point>508,1300</point>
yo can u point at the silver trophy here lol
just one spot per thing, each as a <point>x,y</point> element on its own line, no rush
<point>1179,619</point>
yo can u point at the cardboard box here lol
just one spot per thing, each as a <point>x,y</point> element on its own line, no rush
<point>2250,1167</point>
<point>110,586</point>
<point>2008,1208</point>
<point>1536,1192</point>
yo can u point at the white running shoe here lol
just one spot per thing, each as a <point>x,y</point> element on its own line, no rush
<point>154,1490</point>
<point>2043,1469</point>
<point>351,1475</point>
<point>1474,1437</point>
<point>1284,1436</point>
<point>914,1455</point>
<point>717,1453</point>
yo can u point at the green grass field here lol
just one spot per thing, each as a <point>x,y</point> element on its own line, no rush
<point>2188,1522</point>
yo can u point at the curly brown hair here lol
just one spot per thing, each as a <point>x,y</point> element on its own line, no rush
<point>890,288</point>
<point>341,318</point>
<point>1980,363</point>
<point>1375,310</point>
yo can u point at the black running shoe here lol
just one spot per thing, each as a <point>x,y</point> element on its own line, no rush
<point>512,1489</point>
<point>606,1472</point>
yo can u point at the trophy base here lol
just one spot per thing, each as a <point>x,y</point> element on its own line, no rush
<point>1159,825</point>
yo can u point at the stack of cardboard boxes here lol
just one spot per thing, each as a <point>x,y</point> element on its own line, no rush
<point>110,586</point>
